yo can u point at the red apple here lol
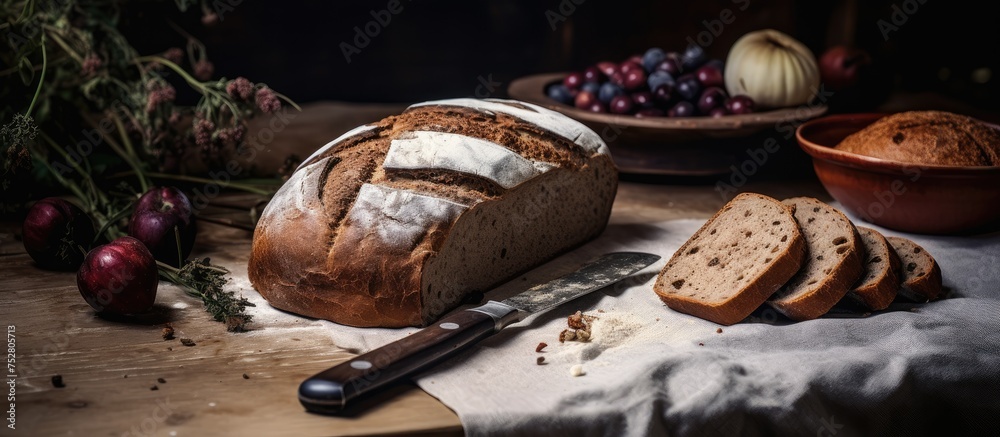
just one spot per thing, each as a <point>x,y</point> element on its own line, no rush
<point>119,277</point>
<point>842,67</point>
<point>56,233</point>
<point>162,217</point>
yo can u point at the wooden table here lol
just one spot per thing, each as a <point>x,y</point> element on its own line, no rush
<point>110,368</point>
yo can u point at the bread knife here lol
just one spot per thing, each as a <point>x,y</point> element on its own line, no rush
<point>331,391</point>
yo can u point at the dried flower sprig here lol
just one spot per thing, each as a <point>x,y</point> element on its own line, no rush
<point>134,131</point>
<point>200,279</point>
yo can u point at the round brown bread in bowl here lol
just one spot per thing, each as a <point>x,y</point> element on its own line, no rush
<point>905,196</point>
<point>929,138</point>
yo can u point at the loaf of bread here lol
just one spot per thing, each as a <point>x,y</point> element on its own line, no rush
<point>833,264</point>
<point>881,280</point>
<point>734,262</point>
<point>928,137</point>
<point>396,222</point>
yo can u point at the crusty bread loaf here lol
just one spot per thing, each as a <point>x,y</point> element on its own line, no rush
<point>734,262</point>
<point>394,223</point>
<point>921,274</point>
<point>927,137</point>
<point>878,285</point>
<point>833,264</point>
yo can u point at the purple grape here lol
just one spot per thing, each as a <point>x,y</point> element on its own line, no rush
<point>597,107</point>
<point>671,64</point>
<point>658,78</point>
<point>711,98</point>
<point>621,105</point>
<point>643,99</point>
<point>710,76</point>
<point>740,104</point>
<point>593,75</point>
<point>635,79</point>
<point>688,87</point>
<point>652,58</point>
<point>560,93</point>
<point>584,99</point>
<point>663,94</point>
<point>681,109</point>
<point>591,87</point>
<point>717,112</point>
<point>630,65</point>
<point>693,57</point>
<point>573,80</point>
<point>609,91</point>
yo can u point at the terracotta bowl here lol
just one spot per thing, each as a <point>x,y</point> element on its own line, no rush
<point>909,197</point>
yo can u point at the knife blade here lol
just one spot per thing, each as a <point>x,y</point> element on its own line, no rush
<point>331,391</point>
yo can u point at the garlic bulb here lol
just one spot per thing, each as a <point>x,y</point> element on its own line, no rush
<point>772,68</point>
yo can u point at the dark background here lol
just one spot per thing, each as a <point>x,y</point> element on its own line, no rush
<point>442,48</point>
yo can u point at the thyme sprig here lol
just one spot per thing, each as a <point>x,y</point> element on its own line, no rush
<point>199,278</point>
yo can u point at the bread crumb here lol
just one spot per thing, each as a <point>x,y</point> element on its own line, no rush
<point>187,342</point>
<point>168,332</point>
<point>161,380</point>
<point>600,311</point>
<point>245,376</point>
<point>579,328</point>
<point>718,331</point>
<point>701,344</point>
<point>57,381</point>
<point>540,361</point>
<point>154,387</point>
<point>577,370</point>
<point>567,335</point>
<point>540,346</point>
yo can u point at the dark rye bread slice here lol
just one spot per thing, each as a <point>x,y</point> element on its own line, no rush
<point>920,272</point>
<point>878,285</point>
<point>735,261</point>
<point>832,267</point>
<point>352,239</point>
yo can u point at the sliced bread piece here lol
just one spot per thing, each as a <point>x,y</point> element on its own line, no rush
<point>920,273</point>
<point>735,261</point>
<point>878,285</point>
<point>833,265</point>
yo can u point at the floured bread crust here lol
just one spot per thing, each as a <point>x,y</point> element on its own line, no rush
<point>396,222</point>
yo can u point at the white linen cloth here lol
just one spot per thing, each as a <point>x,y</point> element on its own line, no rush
<point>916,368</point>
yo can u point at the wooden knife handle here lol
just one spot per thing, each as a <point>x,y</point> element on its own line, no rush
<point>332,390</point>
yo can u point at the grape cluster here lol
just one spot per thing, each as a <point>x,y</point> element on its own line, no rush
<point>655,84</point>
